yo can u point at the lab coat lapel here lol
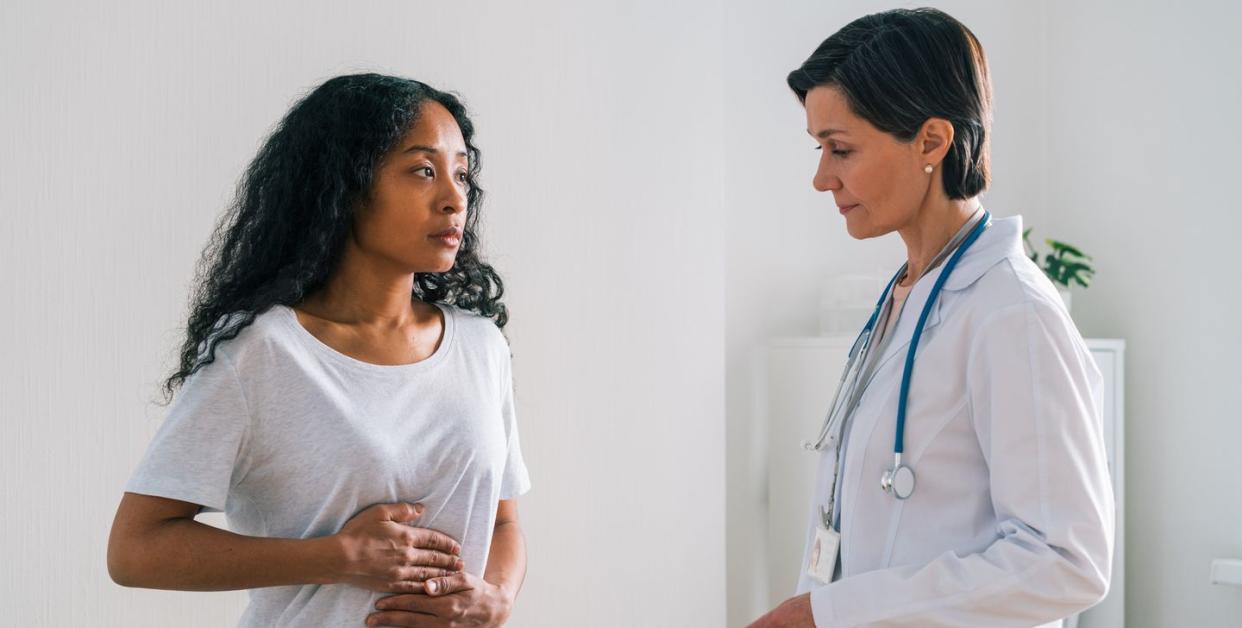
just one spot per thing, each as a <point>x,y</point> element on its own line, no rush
<point>878,406</point>
<point>1001,239</point>
<point>900,338</point>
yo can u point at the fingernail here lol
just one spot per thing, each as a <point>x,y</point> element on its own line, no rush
<point>418,509</point>
<point>432,587</point>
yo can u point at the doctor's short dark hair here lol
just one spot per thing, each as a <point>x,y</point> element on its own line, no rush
<point>897,69</point>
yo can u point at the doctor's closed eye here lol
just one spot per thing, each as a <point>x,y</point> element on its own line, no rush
<point>837,152</point>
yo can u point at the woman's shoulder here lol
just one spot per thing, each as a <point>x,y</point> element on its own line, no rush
<point>1010,279</point>
<point>476,331</point>
<point>1014,290</point>
<point>263,330</point>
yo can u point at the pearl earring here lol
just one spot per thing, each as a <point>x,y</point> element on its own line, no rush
<point>927,168</point>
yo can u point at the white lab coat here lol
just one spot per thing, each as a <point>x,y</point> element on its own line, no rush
<point>1011,522</point>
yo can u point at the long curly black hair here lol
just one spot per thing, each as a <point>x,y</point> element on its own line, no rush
<point>284,234</point>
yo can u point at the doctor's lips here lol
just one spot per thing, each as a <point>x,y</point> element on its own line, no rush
<point>846,208</point>
<point>450,237</point>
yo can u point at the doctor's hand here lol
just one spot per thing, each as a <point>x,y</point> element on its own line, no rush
<point>792,613</point>
<point>462,599</point>
<point>376,550</point>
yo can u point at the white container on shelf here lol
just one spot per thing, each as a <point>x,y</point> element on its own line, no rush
<point>846,301</point>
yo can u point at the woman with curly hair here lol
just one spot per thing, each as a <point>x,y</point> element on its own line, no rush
<point>345,389</point>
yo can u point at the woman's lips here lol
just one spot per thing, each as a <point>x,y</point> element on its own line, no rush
<point>449,237</point>
<point>846,208</point>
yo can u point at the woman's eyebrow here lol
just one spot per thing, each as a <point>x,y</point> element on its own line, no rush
<point>823,135</point>
<point>416,148</point>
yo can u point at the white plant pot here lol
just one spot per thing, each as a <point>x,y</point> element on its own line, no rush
<point>1066,297</point>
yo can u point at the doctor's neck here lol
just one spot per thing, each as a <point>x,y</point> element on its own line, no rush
<point>931,228</point>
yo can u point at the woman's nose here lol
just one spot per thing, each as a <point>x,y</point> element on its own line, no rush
<point>454,198</point>
<point>824,180</point>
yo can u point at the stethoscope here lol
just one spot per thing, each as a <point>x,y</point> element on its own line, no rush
<point>898,480</point>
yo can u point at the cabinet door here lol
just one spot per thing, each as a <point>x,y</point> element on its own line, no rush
<point>1109,357</point>
<point>797,380</point>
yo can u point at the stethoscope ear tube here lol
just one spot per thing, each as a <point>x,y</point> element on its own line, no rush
<point>860,346</point>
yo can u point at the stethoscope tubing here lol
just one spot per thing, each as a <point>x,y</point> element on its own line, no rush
<point>853,365</point>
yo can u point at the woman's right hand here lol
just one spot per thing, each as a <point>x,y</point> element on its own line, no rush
<point>376,550</point>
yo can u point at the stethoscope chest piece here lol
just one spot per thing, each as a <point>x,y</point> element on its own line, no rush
<point>898,481</point>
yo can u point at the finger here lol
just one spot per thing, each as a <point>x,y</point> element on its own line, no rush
<point>403,586</point>
<point>403,618</point>
<point>449,584</point>
<point>420,574</point>
<point>431,558</point>
<point>399,511</point>
<point>404,513</point>
<point>435,540</point>
<point>409,602</point>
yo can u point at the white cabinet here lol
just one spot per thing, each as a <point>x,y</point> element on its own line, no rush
<point>796,379</point>
<point>795,389</point>
<point>1110,357</point>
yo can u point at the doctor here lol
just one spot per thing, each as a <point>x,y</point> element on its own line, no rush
<point>962,477</point>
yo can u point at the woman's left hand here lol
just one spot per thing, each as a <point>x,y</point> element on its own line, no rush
<point>792,613</point>
<point>459,600</point>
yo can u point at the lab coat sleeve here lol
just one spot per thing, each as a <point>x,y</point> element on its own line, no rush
<point>1035,396</point>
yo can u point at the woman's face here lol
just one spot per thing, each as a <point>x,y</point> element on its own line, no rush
<point>417,209</point>
<point>877,181</point>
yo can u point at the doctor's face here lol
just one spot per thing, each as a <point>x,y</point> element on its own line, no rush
<point>876,180</point>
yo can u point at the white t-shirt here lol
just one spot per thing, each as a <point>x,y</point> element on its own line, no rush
<point>291,439</point>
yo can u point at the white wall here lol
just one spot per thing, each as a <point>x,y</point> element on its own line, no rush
<point>774,281</point>
<point>633,191</point>
<point>1142,172</point>
<point>125,127</point>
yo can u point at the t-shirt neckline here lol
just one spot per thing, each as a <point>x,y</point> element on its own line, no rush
<point>291,319</point>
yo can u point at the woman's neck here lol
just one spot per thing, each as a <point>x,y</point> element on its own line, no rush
<point>364,290</point>
<point>929,231</point>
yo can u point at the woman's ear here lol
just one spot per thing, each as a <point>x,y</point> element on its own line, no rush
<point>934,140</point>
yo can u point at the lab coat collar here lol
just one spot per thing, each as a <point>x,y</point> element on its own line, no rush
<point>1002,239</point>
<point>999,241</point>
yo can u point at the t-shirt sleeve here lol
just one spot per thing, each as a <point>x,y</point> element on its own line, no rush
<point>194,455</point>
<point>516,480</point>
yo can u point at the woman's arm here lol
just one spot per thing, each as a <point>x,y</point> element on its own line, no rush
<point>506,564</point>
<point>463,598</point>
<point>156,543</point>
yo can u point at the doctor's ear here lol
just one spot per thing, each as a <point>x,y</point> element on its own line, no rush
<point>934,140</point>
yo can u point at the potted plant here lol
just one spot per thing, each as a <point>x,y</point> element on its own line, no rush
<point>1065,265</point>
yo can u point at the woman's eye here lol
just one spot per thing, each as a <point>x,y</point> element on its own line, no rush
<point>841,153</point>
<point>425,171</point>
<point>461,176</point>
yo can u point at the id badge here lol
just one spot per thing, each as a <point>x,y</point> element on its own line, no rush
<point>824,553</point>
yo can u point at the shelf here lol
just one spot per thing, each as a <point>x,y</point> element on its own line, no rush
<point>1227,571</point>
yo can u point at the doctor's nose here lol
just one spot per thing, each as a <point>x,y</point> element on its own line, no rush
<point>824,180</point>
